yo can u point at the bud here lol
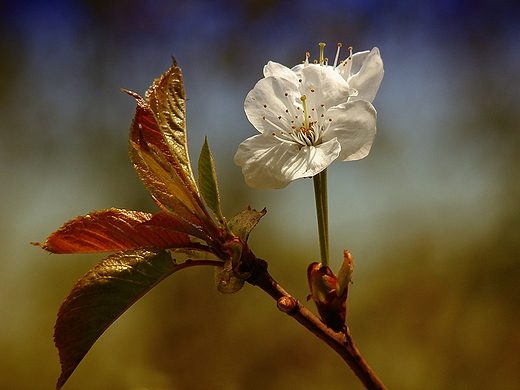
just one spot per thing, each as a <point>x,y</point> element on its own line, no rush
<point>329,291</point>
<point>232,276</point>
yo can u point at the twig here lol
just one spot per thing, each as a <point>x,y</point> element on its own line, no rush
<point>341,342</point>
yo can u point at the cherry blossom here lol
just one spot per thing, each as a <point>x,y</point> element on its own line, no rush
<point>309,116</point>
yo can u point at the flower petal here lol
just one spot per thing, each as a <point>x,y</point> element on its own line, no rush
<point>354,126</point>
<point>366,74</point>
<point>268,99</point>
<point>269,163</point>
<point>274,69</point>
<point>330,88</point>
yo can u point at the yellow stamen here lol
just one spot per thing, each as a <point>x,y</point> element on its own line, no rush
<point>303,98</point>
<point>337,56</point>
<point>322,45</point>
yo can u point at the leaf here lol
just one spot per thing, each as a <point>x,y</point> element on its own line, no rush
<point>227,281</point>
<point>208,182</point>
<point>191,225</point>
<point>113,230</point>
<point>345,272</point>
<point>101,296</point>
<point>244,222</point>
<point>159,149</point>
<point>167,100</point>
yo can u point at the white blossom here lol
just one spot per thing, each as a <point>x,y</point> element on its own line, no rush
<point>309,116</point>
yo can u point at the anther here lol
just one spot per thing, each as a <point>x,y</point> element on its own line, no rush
<point>265,105</point>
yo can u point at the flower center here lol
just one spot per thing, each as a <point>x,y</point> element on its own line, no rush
<point>307,128</point>
<point>302,128</point>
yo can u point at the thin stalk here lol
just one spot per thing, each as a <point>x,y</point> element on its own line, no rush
<point>322,213</point>
<point>341,342</point>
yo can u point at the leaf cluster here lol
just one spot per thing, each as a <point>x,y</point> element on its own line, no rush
<point>145,245</point>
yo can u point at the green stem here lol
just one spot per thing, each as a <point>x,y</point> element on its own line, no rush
<point>322,213</point>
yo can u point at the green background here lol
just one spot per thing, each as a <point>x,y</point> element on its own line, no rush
<point>431,216</point>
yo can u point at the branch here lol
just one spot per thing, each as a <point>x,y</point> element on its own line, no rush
<point>341,342</point>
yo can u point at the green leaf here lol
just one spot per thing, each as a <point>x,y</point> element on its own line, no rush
<point>245,221</point>
<point>101,296</point>
<point>208,185</point>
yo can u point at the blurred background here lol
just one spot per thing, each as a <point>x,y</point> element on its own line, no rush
<point>431,216</point>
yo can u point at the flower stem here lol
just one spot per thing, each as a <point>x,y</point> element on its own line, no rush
<point>341,342</point>
<point>322,213</point>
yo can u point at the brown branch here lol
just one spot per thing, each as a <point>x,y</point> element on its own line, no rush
<point>341,342</point>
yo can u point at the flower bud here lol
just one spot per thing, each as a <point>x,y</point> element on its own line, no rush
<point>329,291</point>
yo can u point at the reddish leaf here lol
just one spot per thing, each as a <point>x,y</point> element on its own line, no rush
<point>102,295</point>
<point>159,149</point>
<point>159,152</point>
<point>191,225</point>
<point>113,230</point>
